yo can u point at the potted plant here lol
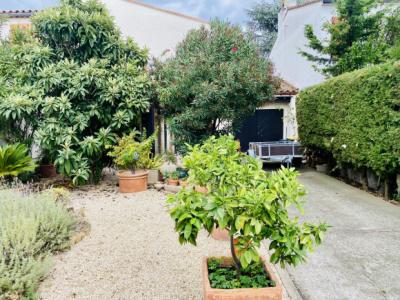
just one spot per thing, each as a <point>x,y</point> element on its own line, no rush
<point>46,168</point>
<point>183,175</point>
<point>253,206</point>
<point>131,155</point>
<point>172,178</point>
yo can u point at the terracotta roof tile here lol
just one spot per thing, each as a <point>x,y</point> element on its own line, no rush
<point>286,88</point>
<point>18,13</point>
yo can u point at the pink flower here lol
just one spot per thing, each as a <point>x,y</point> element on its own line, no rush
<point>235,49</point>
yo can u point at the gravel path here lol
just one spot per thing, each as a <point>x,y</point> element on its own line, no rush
<point>132,252</point>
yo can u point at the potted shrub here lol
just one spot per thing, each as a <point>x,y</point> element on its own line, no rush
<point>46,168</point>
<point>131,155</point>
<point>172,178</point>
<point>253,206</point>
<point>183,175</point>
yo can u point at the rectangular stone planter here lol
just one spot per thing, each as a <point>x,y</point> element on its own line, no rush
<point>154,176</point>
<point>269,293</point>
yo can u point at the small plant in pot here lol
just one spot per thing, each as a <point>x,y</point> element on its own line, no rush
<point>46,168</point>
<point>172,178</point>
<point>183,176</point>
<point>131,155</point>
<point>253,206</point>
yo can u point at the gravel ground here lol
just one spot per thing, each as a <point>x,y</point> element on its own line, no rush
<point>132,252</point>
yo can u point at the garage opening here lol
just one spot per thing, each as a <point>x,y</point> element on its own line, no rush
<point>265,125</point>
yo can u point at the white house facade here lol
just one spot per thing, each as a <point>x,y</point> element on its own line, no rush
<point>157,29</point>
<point>289,63</point>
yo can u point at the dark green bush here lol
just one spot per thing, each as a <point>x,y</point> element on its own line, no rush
<point>355,117</point>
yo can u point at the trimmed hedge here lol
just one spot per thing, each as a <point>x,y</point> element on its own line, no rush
<point>355,117</point>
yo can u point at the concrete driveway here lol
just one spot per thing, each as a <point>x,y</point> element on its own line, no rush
<point>360,256</point>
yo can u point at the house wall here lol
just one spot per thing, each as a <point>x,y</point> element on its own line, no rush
<point>5,29</point>
<point>157,29</point>
<point>289,116</point>
<point>149,27</point>
<point>289,64</point>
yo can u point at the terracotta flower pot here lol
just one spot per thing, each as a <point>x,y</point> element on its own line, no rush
<point>269,293</point>
<point>201,189</point>
<point>220,234</point>
<point>132,182</point>
<point>173,181</point>
<point>47,171</point>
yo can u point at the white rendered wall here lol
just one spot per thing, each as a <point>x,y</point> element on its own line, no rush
<point>152,28</point>
<point>157,30</point>
<point>5,29</point>
<point>289,64</point>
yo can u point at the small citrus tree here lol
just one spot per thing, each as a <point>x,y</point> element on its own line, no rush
<point>247,201</point>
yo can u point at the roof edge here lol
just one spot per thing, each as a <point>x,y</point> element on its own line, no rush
<point>303,4</point>
<point>286,88</point>
<point>171,12</point>
<point>19,13</point>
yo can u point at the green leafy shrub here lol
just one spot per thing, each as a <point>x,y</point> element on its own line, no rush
<point>362,34</point>
<point>31,227</point>
<point>133,152</point>
<point>242,198</point>
<point>74,87</point>
<point>216,79</point>
<point>14,160</point>
<point>356,117</point>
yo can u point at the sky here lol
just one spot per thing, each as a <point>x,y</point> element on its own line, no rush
<point>232,10</point>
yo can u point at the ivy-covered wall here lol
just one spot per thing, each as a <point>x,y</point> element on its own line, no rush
<point>356,118</point>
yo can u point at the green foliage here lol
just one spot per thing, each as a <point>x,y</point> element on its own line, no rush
<point>264,24</point>
<point>362,35</point>
<point>356,117</point>
<point>171,175</point>
<point>133,151</point>
<point>31,228</point>
<point>244,199</point>
<point>14,160</point>
<point>74,87</point>
<point>226,277</point>
<point>215,80</point>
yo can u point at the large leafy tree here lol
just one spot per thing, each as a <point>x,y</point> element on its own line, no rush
<point>264,23</point>
<point>73,87</point>
<point>215,80</point>
<point>360,35</point>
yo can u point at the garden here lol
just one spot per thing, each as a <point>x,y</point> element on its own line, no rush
<point>73,92</point>
<point>83,192</point>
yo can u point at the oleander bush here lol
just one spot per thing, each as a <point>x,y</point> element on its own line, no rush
<point>215,80</point>
<point>32,226</point>
<point>356,118</point>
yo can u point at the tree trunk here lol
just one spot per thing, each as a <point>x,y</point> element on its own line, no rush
<point>236,261</point>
